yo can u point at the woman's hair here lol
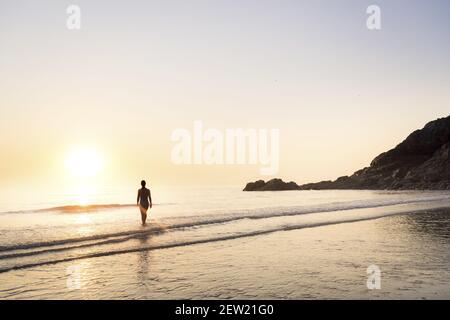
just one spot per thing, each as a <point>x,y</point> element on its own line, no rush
<point>143,183</point>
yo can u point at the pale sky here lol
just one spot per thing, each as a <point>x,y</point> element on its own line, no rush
<point>339,93</point>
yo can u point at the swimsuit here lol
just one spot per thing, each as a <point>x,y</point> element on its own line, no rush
<point>143,198</point>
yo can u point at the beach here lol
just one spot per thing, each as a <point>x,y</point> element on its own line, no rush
<point>300,252</point>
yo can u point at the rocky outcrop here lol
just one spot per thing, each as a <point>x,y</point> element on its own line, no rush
<point>421,161</point>
<point>271,185</point>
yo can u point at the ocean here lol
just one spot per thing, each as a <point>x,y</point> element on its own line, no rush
<point>221,242</point>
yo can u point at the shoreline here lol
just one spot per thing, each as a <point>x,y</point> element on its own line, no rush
<point>295,264</point>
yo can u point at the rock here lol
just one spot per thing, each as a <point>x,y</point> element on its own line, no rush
<point>254,186</point>
<point>271,185</point>
<point>421,161</point>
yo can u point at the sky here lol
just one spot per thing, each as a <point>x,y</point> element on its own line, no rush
<point>339,93</point>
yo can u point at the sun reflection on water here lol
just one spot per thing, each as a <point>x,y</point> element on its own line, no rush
<point>84,195</point>
<point>83,219</point>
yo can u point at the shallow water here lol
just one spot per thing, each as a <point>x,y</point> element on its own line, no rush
<point>225,243</point>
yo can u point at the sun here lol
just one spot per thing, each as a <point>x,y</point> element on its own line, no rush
<point>84,162</point>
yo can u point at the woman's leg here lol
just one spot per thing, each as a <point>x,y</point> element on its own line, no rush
<point>143,214</point>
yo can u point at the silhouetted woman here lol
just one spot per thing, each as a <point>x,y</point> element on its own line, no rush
<point>144,201</point>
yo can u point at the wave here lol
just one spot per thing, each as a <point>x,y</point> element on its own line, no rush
<point>204,220</point>
<point>80,208</point>
<point>74,208</point>
<point>335,205</point>
<point>214,239</point>
<point>87,208</point>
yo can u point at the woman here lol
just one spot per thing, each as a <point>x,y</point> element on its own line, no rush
<point>144,201</point>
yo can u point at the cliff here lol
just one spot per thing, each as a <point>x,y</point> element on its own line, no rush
<point>421,161</point>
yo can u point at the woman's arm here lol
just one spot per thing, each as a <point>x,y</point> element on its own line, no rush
<point>150,197</point>
<point>138,196</point>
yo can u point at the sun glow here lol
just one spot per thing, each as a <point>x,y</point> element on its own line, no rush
<point>83,197</point>
<point>84,163</point>
<point>84,166</point>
